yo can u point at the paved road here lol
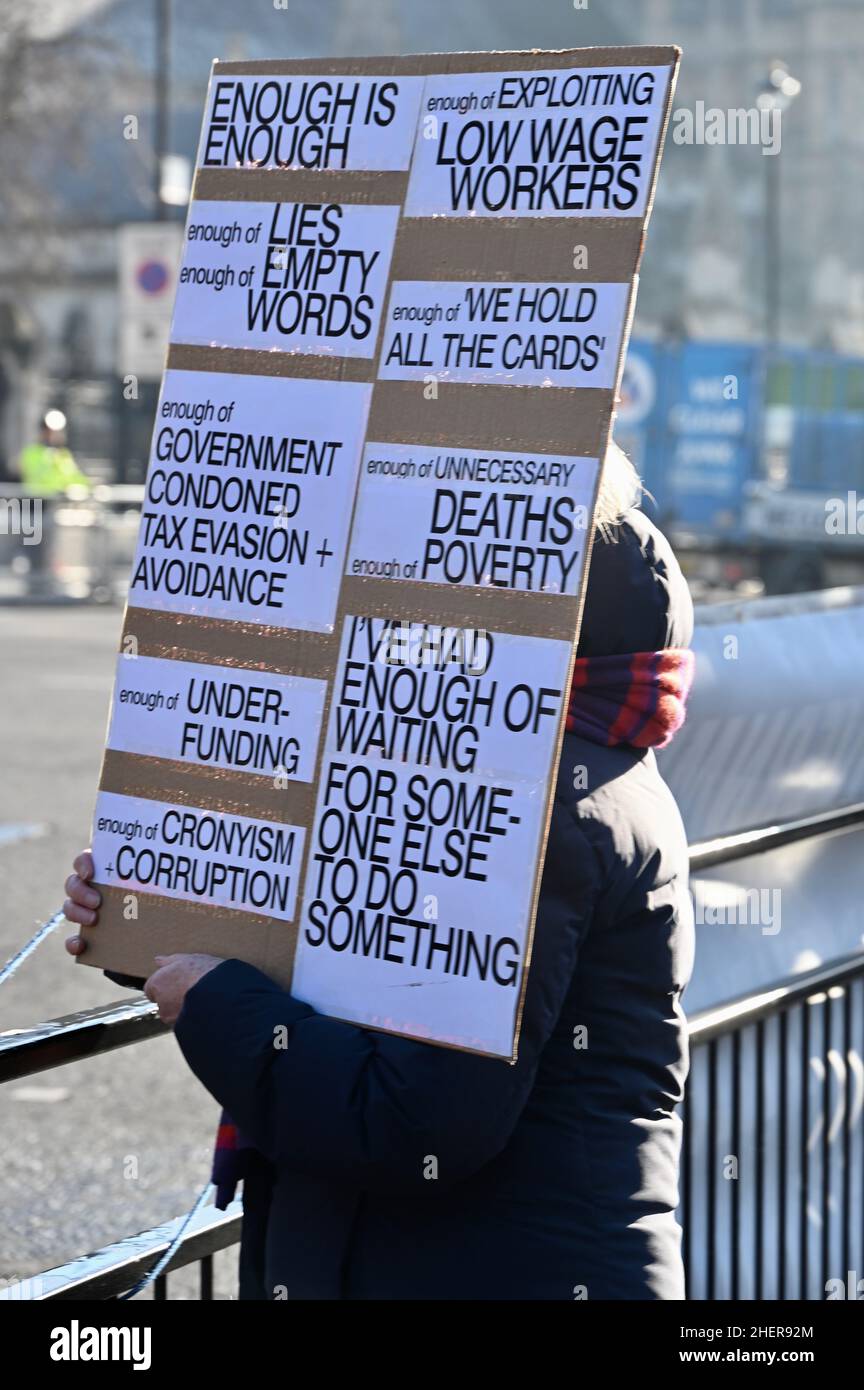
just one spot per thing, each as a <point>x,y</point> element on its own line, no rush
<point>114,1145</point>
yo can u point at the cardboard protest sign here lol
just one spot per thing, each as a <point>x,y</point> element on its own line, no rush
<point>399,327</point>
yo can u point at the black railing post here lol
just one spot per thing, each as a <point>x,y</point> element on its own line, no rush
<point>804,1194</point>
<point>735,1223</point>
<point>826,1142</point>
<point>758,1222</point>
<point>847,1128</point>
<point>711,1214</point>
<point>782,1151</point>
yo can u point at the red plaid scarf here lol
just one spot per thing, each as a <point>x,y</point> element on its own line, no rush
<point>638,700</point>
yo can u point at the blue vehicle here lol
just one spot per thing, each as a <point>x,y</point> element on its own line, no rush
<point>754,458</point>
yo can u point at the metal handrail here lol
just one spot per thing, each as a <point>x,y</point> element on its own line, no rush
<point>57,1041</point>
<point>116,1268</point>
<point>738,1013</point>
<point>129,494</point>
<point>705,854</point>
<point>25,1052</point>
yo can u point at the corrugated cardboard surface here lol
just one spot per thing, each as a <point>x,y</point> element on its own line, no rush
<point>545,420</point>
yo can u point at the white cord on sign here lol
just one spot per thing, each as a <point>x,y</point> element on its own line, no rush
<point>27,950</point>
<point>160,1264</point>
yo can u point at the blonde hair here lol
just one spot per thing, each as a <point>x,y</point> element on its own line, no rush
<point>620,489</point>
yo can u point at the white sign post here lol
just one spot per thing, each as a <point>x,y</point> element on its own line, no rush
<point>148,255</point>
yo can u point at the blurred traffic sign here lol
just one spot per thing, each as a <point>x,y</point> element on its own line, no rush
<point>638,390</point>
<point>148,254</point>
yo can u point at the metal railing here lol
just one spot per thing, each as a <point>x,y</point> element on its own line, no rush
<point>755,1076</point>
<point>86,542</point>
<point>774,1110</point>
<point>116,1269</point>
<point>773,1114</point>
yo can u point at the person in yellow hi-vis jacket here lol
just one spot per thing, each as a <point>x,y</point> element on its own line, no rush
<point>48,472</point>
<point>47,467</point>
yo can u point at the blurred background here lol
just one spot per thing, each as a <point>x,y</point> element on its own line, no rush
<point>753,268</point>
<point>742,407</point>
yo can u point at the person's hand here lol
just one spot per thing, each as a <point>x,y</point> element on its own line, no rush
<point>83,901</point>
<point>174,976</point>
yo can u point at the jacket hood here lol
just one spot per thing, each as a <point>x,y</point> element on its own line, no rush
<point>637,598</point>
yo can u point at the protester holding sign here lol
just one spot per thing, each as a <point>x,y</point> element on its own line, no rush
<point>378,1167</point>
<point>447,1037</point>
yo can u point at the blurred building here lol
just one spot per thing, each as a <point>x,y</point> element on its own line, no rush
<point>704,265</point>
<point>80,125</point>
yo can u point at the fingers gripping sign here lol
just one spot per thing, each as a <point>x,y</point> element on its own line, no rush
<point>173,977</point>
<point>82,901</point>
